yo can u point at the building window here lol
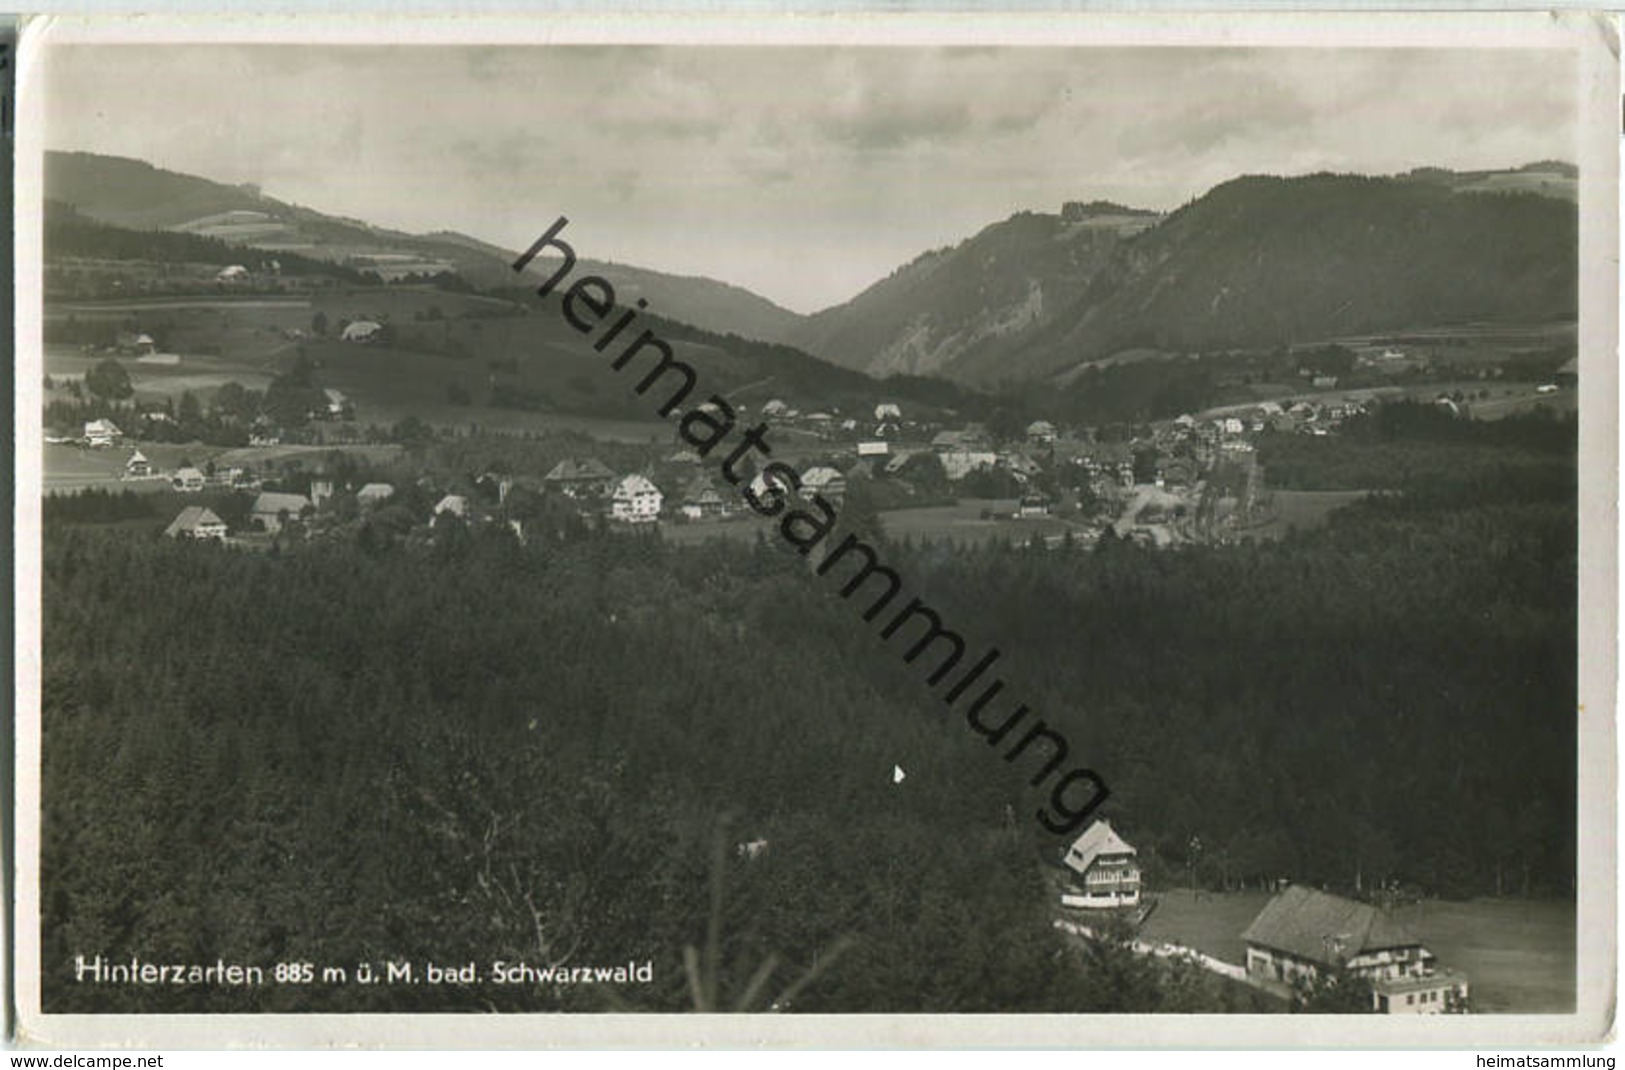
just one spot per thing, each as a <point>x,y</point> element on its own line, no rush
<point>1410,999</point>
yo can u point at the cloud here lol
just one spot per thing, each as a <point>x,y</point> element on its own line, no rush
<point>803,172</point>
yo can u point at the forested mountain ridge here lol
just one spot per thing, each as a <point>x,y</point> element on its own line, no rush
<point>134,194</point>
<point>1257,262</point>
<point>1262,262</point>
<point>949,303</point>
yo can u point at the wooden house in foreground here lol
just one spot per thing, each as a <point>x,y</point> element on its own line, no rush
<point>1304,934</point>
<point>1105,870</point>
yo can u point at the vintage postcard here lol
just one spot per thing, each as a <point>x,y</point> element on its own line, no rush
<point>894,530</point>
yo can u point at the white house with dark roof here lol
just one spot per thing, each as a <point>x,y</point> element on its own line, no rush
<point>1303,934</point>
<point>1105,870</point>
<point>635,500</point>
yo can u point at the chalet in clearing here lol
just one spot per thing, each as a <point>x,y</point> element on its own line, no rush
<point>138,467</point>
<point>1305,934</point>
<point>196,522</point>
<point>1105,870</point>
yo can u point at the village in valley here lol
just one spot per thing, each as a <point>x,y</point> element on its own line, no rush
<point>1194,478</point>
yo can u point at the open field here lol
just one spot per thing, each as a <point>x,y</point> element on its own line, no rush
<point>70,468</point>
<point>1518,954</point>
<point>1300,510</point>
<point>963,523</point>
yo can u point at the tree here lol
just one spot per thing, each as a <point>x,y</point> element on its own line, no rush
<point>190,412</point>
<point>109,381</point>
<point>318,324</point>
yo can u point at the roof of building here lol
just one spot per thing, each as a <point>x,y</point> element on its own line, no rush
<point>1325,928</point>
<point>378,491</point>
<point>635,484</point>
<point>1097,840</point>
<point>821,476</point>
<point>699,489</point>
<point>101,425</point>
<point>137,458</point>
<point>189,474</point>
<point>570,469</point>
<point>191,518</point>
<point>1570,367</point>
<point>273,502</point>
<point>452,503</point>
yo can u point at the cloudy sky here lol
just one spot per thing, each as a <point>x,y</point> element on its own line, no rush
<point>802,173</point>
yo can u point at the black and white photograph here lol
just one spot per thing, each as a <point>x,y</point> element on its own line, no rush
<point>714,526</point>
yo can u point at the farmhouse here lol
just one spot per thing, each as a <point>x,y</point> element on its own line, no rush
<point>701,500</point>
<point>1041,433</point>
<point>99,433</point>
<point>580,479</point>
<point>362,331</point>
<point>1033,505</point>
<point>188,480</point>
<point>134,343</point>
<point>635,501</point>
<point>374,494</point>
<point>196,522</point>
<point>338,406</point>
<point>959,463</point>
<point>1105,870</point>
<point>272,510</point>
<point>825,481</point>
<point>455,504</point>
<point>137,467</point>
<point>1305,934</point>
<point>1569,374</point>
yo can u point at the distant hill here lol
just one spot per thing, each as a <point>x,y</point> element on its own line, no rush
<point>134,194</point>
<point>1255,262</point>
<point>975,297</point>
<point>1264,261</point>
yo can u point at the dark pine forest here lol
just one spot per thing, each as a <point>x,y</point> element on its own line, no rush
<point>463,749</point>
